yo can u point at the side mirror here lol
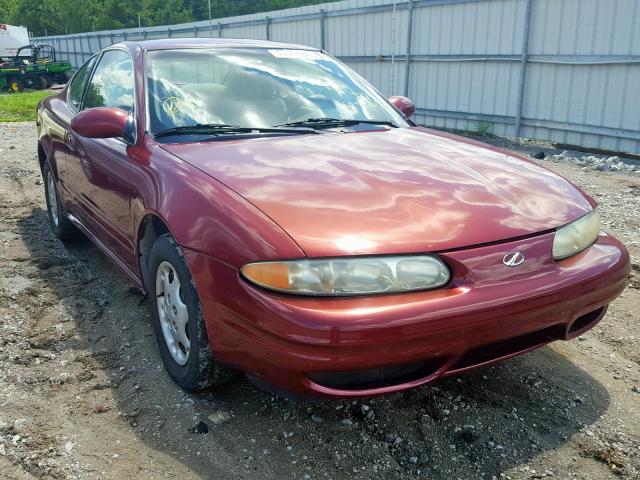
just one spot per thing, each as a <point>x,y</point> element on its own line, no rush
<point>103,122</point>
<point>403,104</point>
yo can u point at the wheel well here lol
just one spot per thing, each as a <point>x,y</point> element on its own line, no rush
<point>150,229</point>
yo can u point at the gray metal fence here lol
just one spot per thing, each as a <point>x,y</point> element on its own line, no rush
<point>561,70</point>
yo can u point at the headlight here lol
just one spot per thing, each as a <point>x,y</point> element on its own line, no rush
<point>576,236</point>
<point>349,276</point>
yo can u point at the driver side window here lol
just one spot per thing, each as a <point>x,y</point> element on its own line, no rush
<point>76,87</point>
<point>112,82</point>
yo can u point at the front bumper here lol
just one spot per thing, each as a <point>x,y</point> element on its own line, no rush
<point>315,346</point>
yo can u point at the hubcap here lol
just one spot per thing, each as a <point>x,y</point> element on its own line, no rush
<point>173,313</point>
<point>53,199</point>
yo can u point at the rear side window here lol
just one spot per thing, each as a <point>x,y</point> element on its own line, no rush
<point>79,80</point>
<point>112,82</point>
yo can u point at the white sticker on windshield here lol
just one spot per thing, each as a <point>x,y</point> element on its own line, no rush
<point>301,54</point>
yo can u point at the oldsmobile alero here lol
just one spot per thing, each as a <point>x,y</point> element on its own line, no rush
<point>289,222</point>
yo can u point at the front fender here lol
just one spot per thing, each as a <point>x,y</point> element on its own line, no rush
<point>203,214</point>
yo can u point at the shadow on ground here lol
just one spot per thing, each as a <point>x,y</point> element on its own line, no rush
<point>480,424</point>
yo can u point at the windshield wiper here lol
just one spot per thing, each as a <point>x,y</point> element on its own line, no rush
<point>224,128</point>
<point>328,122</point>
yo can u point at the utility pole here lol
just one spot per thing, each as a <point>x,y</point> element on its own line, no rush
<point>210,26</point>
<point>139,24</point>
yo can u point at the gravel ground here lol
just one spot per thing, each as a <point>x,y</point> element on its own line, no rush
<point>83,393</point>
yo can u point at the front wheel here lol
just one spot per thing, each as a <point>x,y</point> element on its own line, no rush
<point>178,320</point>
<point>60,225</point>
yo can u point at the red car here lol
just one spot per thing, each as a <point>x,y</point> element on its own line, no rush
<point>289,222</point>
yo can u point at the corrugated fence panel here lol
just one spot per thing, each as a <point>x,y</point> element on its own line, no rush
<point>584,95</point>
<point>574,80</point>
<point>387,77</point>
<point>258,32</point>
<point>486,27</point>
<point>565,27</point>
<point>476,87</point>
<point>589,95</point>
<point>377,33</point>
<point>306,32</point>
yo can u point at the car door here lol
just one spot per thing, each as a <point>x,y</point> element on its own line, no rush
<point>55,122</point>
<point>98,169</point>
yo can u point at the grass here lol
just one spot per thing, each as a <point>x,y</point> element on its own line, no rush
<point>484,128</point>
<point>20,107</point>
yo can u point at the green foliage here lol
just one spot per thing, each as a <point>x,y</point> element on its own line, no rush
<point>165,12</point>
<point>56,17</point>
<point>484,128</point>
<point>8,9</point>
<point>20,107</point>
<point>93,97</point>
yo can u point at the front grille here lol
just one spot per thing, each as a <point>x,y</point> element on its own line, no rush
<point>378,377</point>
<point>511,346</point>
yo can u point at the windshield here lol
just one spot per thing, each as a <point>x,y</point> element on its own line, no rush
<point>256,88</point>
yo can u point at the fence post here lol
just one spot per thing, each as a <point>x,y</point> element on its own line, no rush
<point>168,32</point>
<point>68,54</point>
<point>219,30</point>
<point>267,24</point>
<point>75,53</point>
<point>524,57</point>
<point>89,48</point>
<point>407,65</point>
<point>323,16</point>
<point>195,30</point>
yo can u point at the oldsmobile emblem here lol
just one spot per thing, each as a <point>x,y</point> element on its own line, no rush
<point>513,259</point>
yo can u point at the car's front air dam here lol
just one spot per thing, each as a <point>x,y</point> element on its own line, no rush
<point>286,341</point>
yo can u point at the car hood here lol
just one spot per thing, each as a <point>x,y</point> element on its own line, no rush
<point>395,191</point>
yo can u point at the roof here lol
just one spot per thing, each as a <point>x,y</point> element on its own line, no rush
<point>171,43</point>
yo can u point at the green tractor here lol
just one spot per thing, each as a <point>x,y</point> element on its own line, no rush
<point>34,66</point>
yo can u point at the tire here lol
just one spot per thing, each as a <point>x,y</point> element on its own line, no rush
<point>61,78</point>
<point>183,341</point>
<point>60,225</point>
<point>16,85</point>
<point>44,82</point>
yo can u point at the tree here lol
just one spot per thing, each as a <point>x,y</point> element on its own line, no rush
<point>165,12</point>
<point>8,9</point>
<point>115,14</point>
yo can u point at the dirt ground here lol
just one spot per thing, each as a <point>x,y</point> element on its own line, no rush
<point>83,393</point>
